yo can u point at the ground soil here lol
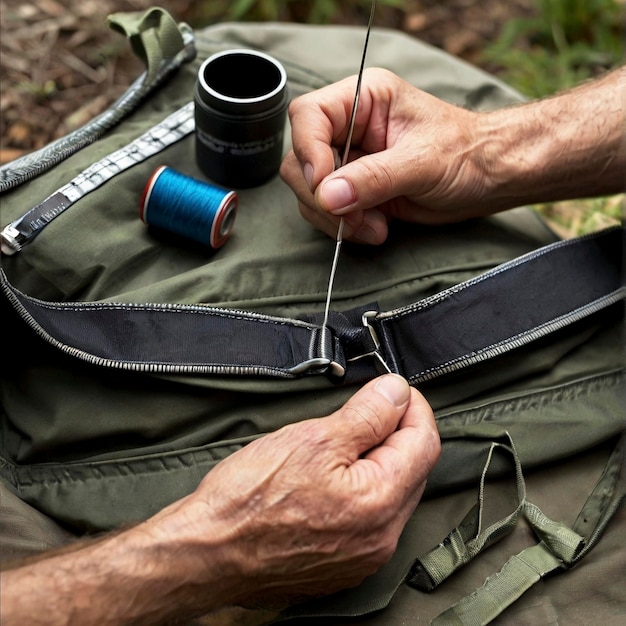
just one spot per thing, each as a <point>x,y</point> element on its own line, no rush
<point>61,65</point>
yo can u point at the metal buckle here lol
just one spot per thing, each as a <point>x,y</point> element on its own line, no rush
<point>11,240</point>
<point>321,344</point>
<point>365,318</point>
<point>320,364</point>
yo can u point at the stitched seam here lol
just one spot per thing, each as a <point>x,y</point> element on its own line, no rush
<point>80,471</point>
<point>509,265</point>
<point>519,339</point>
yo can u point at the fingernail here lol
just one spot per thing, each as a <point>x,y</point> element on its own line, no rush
<point>307,170</point>
<point>394,388</point>
<point>337,194</point>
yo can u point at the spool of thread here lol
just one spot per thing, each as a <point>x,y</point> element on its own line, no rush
<point>179,204</point>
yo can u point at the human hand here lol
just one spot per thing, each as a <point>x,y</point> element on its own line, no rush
<point>308,510</point>
<point>313,508</point>
<point>420,159</point>
<point>414,158</point>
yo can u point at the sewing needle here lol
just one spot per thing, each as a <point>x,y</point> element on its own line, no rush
<point>344,160</point>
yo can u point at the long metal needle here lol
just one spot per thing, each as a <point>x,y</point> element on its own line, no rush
<point>344,160</point>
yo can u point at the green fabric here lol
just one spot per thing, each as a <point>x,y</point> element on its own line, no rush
<point>515,578</point>
<point>560,548</point>
<point>153,34</point>
<point>468,539</point>
<point>94,450</point>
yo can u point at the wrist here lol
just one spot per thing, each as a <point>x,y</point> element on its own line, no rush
<point>194,560</point>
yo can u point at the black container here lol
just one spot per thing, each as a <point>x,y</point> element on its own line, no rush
<point>240,110</point>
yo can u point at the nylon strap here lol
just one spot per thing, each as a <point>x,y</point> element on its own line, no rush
<point>503,309</point>
<point>153,35</point>
<point>560,548</point>
<point>510,306</point>
<point>467,540</point>
<point>518,575</point>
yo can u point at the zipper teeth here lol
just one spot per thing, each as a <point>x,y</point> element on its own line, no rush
<point>519,340</point>
<point>164,368</point>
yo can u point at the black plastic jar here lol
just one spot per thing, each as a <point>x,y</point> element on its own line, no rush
<point>240,111</point>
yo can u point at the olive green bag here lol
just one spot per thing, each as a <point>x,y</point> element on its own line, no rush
<point>95,445</point>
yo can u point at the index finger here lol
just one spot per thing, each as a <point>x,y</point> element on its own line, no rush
<point>320,120</point>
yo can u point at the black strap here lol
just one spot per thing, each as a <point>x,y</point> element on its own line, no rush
<point>505,308</point>
<point>508,307</point>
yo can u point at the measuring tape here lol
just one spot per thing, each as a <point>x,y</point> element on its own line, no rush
<point>172,129</point>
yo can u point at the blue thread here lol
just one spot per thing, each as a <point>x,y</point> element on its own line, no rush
<point>188,207</point>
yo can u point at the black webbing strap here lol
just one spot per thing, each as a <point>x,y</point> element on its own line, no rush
<point>505,308</point>
<point>508,307</point>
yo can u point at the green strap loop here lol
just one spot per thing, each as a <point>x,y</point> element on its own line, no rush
<point>154,36</point>
<point>607,497</point>
<point>560,548</point>
<point>467,540</point>
<point>561,540</point>
<point>518,575</point>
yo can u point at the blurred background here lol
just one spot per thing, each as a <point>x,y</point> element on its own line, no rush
<point>60,65</point>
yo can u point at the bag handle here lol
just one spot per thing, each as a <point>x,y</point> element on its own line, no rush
<point>154,36</point>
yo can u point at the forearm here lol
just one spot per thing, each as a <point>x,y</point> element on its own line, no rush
<point>569,146</point>
<point>133,577</point>
<point>278,521</point>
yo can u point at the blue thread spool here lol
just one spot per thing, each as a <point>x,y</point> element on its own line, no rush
<point>188,207</point>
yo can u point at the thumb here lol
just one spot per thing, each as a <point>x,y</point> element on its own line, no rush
<point>371,415</point>
<point>361,184</point>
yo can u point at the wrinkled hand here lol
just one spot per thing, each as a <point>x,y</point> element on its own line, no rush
<point>416,158</point>
<point>315,507</point>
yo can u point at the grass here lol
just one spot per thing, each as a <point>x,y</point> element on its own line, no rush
<point>566,42</point>
<point>307,11</point>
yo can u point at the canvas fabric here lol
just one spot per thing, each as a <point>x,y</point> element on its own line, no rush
<point>85,450</point>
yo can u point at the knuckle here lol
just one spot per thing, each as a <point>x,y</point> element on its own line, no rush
<point>367,420</point>
<point>305,211</point>
<point>433,451</point>
<point>314,432</point>
<point>295,105</point>
<point>381,174</point>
